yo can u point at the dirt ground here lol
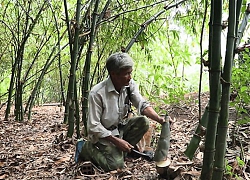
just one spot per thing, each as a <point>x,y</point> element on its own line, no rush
<point>39,149</point>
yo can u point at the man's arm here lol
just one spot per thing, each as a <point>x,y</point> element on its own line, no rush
<point>95,127</point>
<point>142,105</point>
<point>150,112</point>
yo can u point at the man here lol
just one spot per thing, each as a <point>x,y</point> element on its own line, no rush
<point>110,136</point>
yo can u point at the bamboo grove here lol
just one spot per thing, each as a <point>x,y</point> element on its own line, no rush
<point>58,49</point>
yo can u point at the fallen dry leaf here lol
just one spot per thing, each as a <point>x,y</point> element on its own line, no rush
<point>4,176</point>
<point>62,159</point>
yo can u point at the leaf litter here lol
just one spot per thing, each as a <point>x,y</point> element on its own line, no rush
<point>39,148</point>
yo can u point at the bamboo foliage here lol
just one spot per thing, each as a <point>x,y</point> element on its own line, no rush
<point>214,84</point>
<point>48,63</point>
<point>16,78</point>
<point>150,20</point>
<point>59,55</point>
<point>219,163</point>
<point>34,43</point>
<point>118,13</point>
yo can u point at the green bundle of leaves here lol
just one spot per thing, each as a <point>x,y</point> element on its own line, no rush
<point>241,86</point>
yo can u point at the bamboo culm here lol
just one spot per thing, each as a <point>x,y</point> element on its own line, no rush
<point>214,85</point>
<point>219,162</point>
<point>85,82</point>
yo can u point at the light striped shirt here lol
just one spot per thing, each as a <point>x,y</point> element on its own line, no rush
<point>107,108</point>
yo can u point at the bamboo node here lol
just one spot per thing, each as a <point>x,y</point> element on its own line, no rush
<point>197,135</point>
<point>223,81</point>
<point>223,127</point>
<point>248,8</point>
<point>213,110</point>
<point>217,24</point>
<point>218,169</point>
<point>214,70</point>
<point>210,151</point>
<point>144,25</point>
<point>231,36</point>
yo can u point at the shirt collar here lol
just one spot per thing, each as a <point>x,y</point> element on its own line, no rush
<point>111,86</point>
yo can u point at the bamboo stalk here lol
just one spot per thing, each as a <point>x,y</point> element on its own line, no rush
<point>241,31</point>
<point>201,57</point>
<point>59,56</point>
<point>12,82</point>
<point>238,10</point>
<point>243,25</point>
<point>199,132</point>
<point>214,84</point>
<point>85,80</point>
<point>39,82</point>
<point>68,26</point>
<point>71,86</point>
<point>66,110</point>
<point>97,65</point>
<point>219,163</point>
<point>77,113</point>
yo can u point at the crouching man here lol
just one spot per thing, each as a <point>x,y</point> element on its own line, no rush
<point>110,137</point>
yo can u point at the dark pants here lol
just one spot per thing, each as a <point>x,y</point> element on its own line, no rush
<point>105,154</point>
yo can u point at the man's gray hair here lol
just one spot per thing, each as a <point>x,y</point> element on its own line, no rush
<point>118,61</point>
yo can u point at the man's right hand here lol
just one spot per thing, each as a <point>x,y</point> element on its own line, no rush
<point>120,143</point>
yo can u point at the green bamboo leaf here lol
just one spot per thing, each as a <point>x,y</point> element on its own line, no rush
<point>243,88</point>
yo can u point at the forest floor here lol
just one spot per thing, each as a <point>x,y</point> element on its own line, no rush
<point>39,149</point>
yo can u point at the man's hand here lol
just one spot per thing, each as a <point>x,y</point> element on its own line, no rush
<point>120,143</point>
<point>150,112</point>
<point>123,145</point>
<point>161,120</point>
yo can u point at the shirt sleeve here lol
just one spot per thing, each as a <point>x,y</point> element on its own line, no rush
<point>137,100</point>
<point>95,128</point>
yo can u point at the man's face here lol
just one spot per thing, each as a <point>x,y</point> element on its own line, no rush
<point>123,77</point>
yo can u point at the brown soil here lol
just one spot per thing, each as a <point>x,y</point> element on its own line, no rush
<point>39,149</point>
